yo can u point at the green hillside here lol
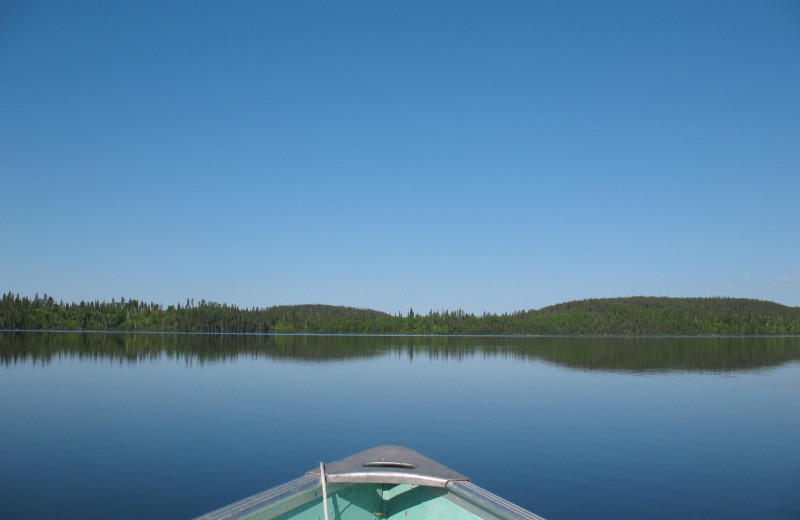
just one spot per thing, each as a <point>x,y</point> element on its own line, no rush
<point>610,316</point>
<point>682,316</point>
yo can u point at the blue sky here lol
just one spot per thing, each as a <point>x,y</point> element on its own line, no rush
<point>489,156</point>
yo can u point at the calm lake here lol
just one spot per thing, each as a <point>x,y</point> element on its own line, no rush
<point>165,426</point>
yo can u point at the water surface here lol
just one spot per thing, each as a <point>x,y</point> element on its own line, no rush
<point>172,426</point>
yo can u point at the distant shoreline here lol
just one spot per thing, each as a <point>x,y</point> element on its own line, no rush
<point>402,335</point>
<point>638,316</point>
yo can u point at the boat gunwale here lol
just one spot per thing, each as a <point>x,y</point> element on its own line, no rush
<point>267,498</point>
<point>476,496</point>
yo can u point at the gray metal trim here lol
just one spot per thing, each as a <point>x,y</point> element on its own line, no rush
<point>479,501</point>
<point>244,507</point>
<point>389,465</point>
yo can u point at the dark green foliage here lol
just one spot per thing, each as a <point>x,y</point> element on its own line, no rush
<point>611,316</point>
<point>669,316</point>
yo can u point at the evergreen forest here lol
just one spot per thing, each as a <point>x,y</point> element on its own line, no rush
<point>638,315</point>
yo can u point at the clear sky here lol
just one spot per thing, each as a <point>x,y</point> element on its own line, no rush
<point>489,156</point>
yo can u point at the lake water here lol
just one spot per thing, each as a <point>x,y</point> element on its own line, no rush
<point>172,426</point>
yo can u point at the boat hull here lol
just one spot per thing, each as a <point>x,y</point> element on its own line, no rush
<point>397,484</point>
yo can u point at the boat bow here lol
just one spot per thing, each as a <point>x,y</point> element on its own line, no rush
<point>390,465</point>
<point>381,483</point>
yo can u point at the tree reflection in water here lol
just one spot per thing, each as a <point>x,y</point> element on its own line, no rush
<point>626,354</point>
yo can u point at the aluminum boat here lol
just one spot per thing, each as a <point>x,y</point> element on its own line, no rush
<point>382,483</point>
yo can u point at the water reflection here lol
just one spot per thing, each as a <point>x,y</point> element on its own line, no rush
<point>717,354</point>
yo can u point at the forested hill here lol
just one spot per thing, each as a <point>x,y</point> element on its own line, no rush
<point>609,316</point>
<point>671,316</point>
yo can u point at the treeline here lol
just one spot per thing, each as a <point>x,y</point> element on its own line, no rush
<point>609,316</point>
